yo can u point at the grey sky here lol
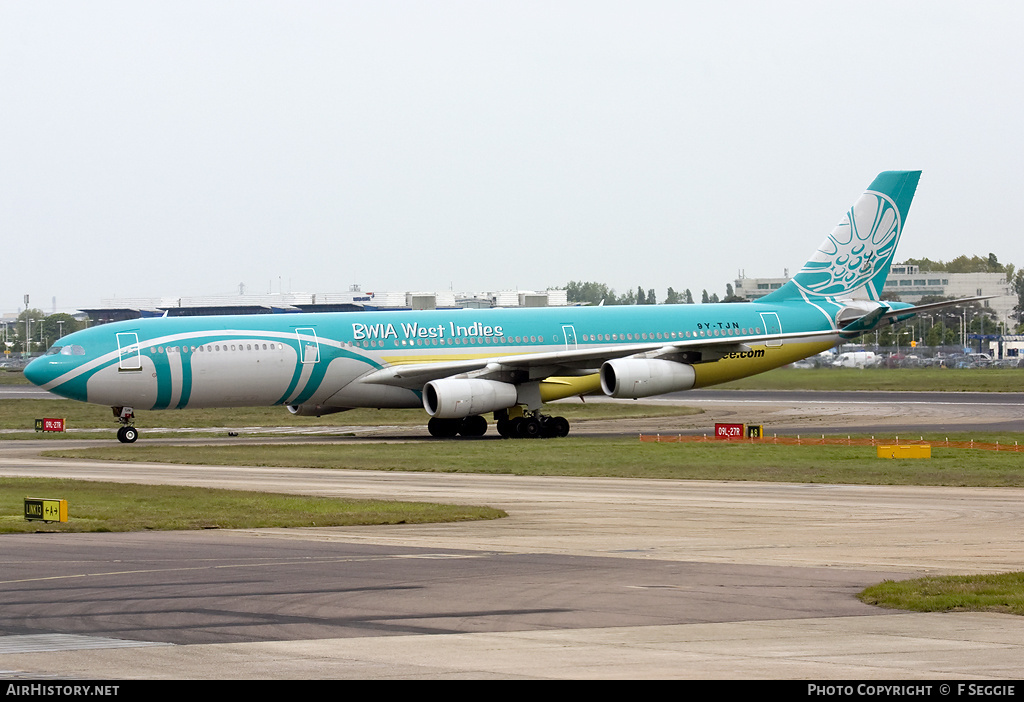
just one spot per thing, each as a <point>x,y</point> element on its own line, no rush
<point>182,148</point>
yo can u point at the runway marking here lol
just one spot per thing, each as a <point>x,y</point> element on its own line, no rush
<point>38,643</point>
<point>258,564</point>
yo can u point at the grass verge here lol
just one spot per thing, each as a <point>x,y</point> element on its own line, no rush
<point>1003,593</point>
<point>99,506</point>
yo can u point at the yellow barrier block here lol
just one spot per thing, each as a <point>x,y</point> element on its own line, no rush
<point>905,451</point>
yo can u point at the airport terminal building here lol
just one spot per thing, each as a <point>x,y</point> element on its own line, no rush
<point>912,284</point>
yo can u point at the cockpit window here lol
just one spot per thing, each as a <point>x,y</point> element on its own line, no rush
<point>71,350</point>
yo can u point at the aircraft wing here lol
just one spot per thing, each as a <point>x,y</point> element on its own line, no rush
<point>568,362</point>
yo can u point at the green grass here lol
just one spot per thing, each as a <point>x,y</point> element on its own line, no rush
<point>623,458</point>
<point>98,506</point>
<point>1002,593</point>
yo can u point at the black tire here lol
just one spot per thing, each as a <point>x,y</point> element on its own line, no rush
<point>513,428</point>
<point>558,427</point>
<point>529,428</point>
<point>130,435</point>
<point>473,426</point>
<point>443,428</point>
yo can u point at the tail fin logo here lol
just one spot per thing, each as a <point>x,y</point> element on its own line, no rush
<point>859,248</point>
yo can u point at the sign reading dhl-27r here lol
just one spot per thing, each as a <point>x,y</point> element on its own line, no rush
<point>46,510</point>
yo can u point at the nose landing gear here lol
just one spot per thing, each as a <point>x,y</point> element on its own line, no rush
<point>127,434</point>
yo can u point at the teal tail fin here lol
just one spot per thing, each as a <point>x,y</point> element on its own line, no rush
<point>855,258</point>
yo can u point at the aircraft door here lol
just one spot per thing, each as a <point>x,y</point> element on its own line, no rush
<point>772,325</point>
<point>309,345</point>
<point>129,358</point>
<point>570,336</point>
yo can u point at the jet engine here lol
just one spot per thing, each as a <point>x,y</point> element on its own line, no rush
<point>454,398</point>
<point>643,377</point>
<point>314,410</point>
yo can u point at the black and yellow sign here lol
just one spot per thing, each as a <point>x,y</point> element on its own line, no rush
<point>46,510</point>
<point>755,431</point>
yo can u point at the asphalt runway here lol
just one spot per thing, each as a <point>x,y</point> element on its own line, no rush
<point>586,578</point>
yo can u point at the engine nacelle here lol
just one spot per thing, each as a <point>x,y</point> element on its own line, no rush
<point>314,410</point>
<point>643,377</point>
<point>454,398</point>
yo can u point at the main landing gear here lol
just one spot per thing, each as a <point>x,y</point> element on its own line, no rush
<point>533,425</point>
<point>526,425</point>
<point>127,434</point>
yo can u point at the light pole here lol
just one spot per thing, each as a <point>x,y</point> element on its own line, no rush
<point>27,321</point>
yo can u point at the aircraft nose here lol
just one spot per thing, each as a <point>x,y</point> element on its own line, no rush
<point>38,372</point>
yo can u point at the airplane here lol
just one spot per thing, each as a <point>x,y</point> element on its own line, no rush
<point>460,365</point>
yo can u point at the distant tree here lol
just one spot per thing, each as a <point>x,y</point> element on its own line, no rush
<point>28,322</point>
<point>1017,286</point>
<point>579,292</point>
<point>688,297</point>
<point>704,298</point>
<point>57,325</point>
<point>672,297</point>
<point>641,299</point>
<point>714,298</point>
<point>960,264</point>
<point>731,296</point>
<point>651,297</point>
<point>925,264</point>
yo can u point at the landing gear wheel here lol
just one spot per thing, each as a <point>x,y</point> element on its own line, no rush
<point>505,428</point>
<point>127,435</point>
<point>443,428</point>
<point>473,426</point>
<point>513,427</point>
<point>556,427</point>
<point>529,428</point>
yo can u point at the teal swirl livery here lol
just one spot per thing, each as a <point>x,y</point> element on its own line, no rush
<point>460,365</point>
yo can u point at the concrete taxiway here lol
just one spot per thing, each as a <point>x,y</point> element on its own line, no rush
<point>586,578</point>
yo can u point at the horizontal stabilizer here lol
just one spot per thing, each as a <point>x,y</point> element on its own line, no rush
<point>865,323</point>
<point>895,315</point>
<point>890,315</point>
